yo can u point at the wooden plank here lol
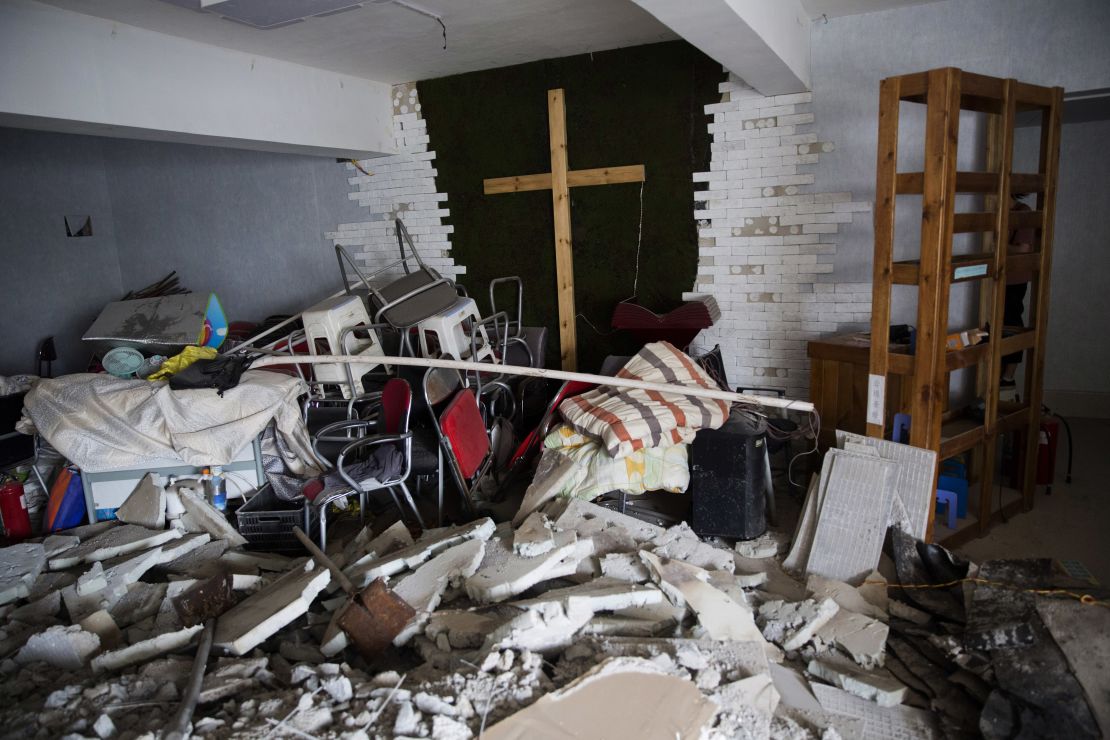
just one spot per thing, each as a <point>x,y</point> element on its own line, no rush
<point>1026,94</point>
<point>885,191</point>
<point>941,138</point>
<point>1046,202</point>
<point>910,183</point>
<point>1004,143</point>
<point>606,175</point>
<point>975,221</point>
<point>1026,182</point>
<point>575,179</point>
<point>1027,219</point>
<point>905,272</point>
<point>560,200</point>
<point>911,87</point>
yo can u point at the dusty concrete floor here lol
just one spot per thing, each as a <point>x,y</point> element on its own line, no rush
<point>1074,522</point>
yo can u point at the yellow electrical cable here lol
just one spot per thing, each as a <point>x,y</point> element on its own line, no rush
<point>1086,599</point>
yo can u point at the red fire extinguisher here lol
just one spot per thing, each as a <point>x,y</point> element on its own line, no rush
<point>13,510</point>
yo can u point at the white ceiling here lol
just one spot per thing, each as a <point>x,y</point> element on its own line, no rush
<point>837,8</point>
<point>386,42</point>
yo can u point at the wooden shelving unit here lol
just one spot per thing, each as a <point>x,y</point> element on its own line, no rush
<point>924,374</point>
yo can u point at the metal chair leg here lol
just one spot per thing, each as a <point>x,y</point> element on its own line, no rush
<point>362,508</point>
<point>397,500</point>
<point>412,504</point>
<point>323,527</point>
<point>439,487</point>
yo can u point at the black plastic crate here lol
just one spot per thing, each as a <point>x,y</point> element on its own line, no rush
<point>267,522</point>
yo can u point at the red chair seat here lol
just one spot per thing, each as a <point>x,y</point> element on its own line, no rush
<point>465,431</point>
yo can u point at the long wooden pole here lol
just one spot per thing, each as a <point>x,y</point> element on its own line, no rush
<point>539,372</point>
<point>560,200</point>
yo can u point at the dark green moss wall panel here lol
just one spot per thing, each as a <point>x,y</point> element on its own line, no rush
<point>629,106</point>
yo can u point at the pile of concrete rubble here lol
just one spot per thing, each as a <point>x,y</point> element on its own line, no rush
<point>579,618</point>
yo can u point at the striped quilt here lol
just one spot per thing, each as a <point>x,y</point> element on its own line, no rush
<point>628,419</point>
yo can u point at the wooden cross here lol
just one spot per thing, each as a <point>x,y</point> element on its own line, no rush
<point>559,181</point>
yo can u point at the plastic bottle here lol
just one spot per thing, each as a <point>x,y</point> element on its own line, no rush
<point>219,488</point>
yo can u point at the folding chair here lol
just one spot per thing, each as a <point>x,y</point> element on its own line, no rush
<point>463,437</point>
<point>406,301</point>
<point>390,427</point>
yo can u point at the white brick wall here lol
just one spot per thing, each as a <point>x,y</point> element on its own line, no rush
<point>766,241</point>
<point>404,186</point>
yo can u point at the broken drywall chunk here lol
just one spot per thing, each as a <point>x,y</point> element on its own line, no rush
<point>622,697</point>
<point>113,542</point>
<point>20,566</point>
<point>49,582</point>
<point>182,546</point>
<point>364,546</point>
<point>200,562</point>
<point>142,600</point>
<point>611,531</point>
<point>892,722</point>
<point>91,581</point>
<point>534,536</point>
<point>458,629</point>
<point>680,543</point>
<point>65,647</point>
<point>720,616</point>
<point>263,613</point>
<point>884,690</point>
<point>503,574</point>
<point>207,518</point>
<point>601,594</point>
<point>335,639</point>
<point>792,625</point>
<point>863,638</point>
<point>756,691</point>
<point>846,596</point>
<point>874,591</point>
<point>624,566</point>
<point>146,506</point>
<point>767,545</point>
<point>40,611</point>
<point>145,649</point>
<point>540,628</point>
<point>56,544</point>
<point>240,561</point>
<point>424,588</point>
<point>431,543</point>
<point>103,626</point>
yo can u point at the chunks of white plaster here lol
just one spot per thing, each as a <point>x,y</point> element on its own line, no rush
<point>680,543</point>
<point>262,614</point>
<point>65,647</point>
<point>534,536</point>
<point>113,542</point>
<point>792,625</point>
<point>424,588</point>
<point>407,558</point>
<point>146,506</point>
<point>20,566</point>
<point>144,650</point>
<point>720,616</point>
<point>201,516</point>
<point>884,690</point>
<point>503,574</point>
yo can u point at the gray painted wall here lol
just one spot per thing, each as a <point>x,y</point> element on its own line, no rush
<point>1063,42</point>
<point>53,285</point>
<point>246,225</point>
<point>1077,363</point>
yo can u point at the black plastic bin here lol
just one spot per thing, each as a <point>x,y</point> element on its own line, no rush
<point>267,522</point>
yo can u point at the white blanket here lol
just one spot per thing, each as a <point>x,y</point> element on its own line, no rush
<point>103,423</point>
